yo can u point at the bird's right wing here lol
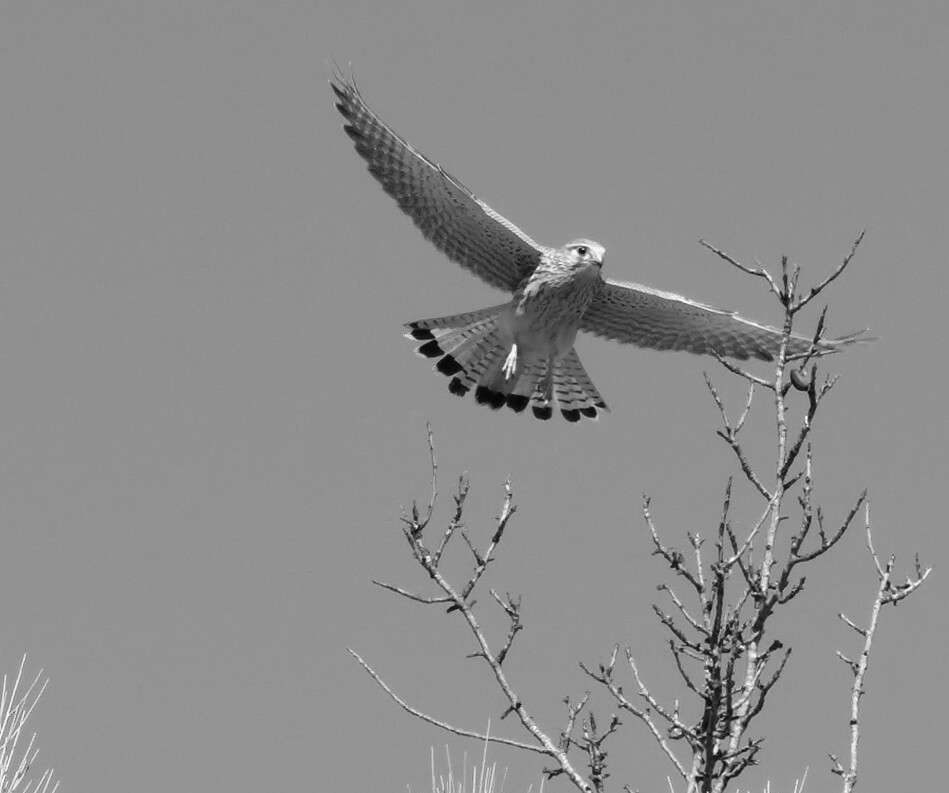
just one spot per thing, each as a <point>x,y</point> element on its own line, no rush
<point>460,225</point>
<point>636,314</point>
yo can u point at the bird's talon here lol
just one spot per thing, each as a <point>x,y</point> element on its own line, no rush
<point>510,363</point>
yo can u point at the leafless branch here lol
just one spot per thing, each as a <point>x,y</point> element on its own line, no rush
<point>758,272</point>
<point>605,677</point>
<point>815,291</point>
<point>673,557</point>
<point>730,434</point>
<point>410,595</point>
<point>734,368</point>
<point>414,529</point>
<point>513,610</point>
<point>438,722</point>
<point>482,562</point>
<point>456,519</point>
<point>887,594</point>
<point>572,712</point>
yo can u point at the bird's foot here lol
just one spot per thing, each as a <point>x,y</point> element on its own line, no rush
<point>510,363</point>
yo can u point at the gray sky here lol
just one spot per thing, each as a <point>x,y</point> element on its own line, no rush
<point>210,420</point>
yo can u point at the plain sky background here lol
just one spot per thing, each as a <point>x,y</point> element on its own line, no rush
<point>209,419</point>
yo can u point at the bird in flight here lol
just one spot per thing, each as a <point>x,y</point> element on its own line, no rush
<point>521,352</point>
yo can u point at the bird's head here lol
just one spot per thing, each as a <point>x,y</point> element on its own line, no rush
<point>586,253</point>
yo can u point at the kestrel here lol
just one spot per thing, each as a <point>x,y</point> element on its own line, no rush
<point>521,352</point>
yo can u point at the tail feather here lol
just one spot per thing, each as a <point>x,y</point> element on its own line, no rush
<point>479,360</point>
<point>573,391</point>
<point>465,344</point>
<point>526,382</point>
<point>471,349</point>
<point>446,341</point>
<point>445,335</point>
<point>453,322</point>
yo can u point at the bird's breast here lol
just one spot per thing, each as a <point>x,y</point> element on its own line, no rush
<point>547,311</point>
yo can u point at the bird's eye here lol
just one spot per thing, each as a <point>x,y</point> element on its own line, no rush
<point>582,250</point>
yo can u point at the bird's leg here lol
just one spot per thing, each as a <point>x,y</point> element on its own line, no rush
<point>510,363</point>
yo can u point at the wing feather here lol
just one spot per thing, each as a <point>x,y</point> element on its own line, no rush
<point>460,225</point>
<point>636,314</point>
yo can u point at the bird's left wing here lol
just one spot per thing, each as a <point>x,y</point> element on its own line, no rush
<point>460,225</point>
<point>636,314</point>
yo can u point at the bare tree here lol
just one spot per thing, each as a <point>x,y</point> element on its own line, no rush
<point>720,607</point>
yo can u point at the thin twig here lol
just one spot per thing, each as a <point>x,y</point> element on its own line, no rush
<point>758,272</point>
<point>438,722</point>
<point>410,595</point>
<point>815,291</point>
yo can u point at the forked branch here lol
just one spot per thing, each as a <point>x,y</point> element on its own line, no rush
<point>459,600</point>
<point>888,594</point>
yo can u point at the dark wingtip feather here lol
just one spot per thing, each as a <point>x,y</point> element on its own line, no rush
<point>343,86</point>
<point>590,412</point>
<point>572,416</point>
<point>736,353</point>
<point>457,387</point>
<point>857,337</point>
<point>448,366</point>
<point>353,133</point>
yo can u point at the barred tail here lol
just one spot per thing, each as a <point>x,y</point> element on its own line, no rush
<point>472,349</point>
<point>574,392</point>
<point>466,345</point>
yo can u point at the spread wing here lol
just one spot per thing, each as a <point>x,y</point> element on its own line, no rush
<point>460,225</point>
<point>635,314</point>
